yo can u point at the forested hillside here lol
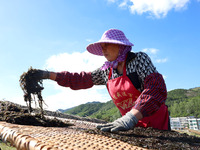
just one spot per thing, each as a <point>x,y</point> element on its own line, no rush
<point>184,103</point>
<point>106,111</point>
<point>181,103</point>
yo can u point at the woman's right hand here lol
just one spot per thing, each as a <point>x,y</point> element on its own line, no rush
<point>41,74</point>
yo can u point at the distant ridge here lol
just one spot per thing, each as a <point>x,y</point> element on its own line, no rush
<point>180,102</point>
<point>64,110</point>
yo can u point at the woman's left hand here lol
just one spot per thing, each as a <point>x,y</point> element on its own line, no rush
<point>124,123</point>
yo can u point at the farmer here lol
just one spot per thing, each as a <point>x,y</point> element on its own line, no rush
<point>134,84</point>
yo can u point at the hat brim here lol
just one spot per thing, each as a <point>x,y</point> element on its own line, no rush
<point>96,48</point>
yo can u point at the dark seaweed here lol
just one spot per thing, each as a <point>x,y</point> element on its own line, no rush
<point>12,113</point>
<point>32,87</point>
<point>154,139</point>
<point>148,138</point>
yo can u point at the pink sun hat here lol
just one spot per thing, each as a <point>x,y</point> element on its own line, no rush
<point>113,36</point>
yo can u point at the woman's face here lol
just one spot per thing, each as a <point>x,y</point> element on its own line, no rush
<point>110,51</point>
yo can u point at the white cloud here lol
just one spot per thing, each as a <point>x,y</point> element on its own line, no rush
<point>112,1</point>
<point>156,8</point>
<point>150,50</point>
<point>164,76</point>
<point>123,4</point>
<point>75,62</point>
<point>161,60</point>
<point>67,98</point>
<point>153,53</point>
<point>88,40</point>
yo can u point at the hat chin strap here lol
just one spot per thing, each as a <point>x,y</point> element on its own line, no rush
<point>110,64</point>
<point>122,56</point>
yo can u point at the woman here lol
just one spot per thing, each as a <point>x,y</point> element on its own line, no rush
<point>134,84</point>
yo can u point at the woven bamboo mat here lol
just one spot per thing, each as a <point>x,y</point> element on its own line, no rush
<point>25,137</point>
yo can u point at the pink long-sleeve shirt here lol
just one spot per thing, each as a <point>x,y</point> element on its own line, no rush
<point>140,71</point>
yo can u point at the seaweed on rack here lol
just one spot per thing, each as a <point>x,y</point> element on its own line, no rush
<point>154,139</point>
<point>32,87</point>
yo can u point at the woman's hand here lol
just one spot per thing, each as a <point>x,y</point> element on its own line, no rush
<point>41,74</point>
<point>124,123</point>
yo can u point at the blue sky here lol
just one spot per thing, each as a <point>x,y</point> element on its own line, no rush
<point>53,35</point>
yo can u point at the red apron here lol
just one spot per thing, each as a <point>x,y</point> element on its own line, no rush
<point>124,95</point>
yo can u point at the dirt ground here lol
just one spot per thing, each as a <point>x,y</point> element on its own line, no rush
<point>143,137</point>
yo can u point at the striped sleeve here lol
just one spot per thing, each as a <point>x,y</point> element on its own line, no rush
<point>100,77</point>
<point>75,81</point>
<point>153,95</point>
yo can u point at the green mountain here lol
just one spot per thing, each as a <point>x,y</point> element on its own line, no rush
<point>64,110</point>
<point>105,111</point>
<point>180,102</point>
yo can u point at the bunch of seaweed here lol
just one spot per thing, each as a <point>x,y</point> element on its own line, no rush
<point>32,87</point>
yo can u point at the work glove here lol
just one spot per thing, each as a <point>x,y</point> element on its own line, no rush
<point>41,74</point>
<point>124,123</point>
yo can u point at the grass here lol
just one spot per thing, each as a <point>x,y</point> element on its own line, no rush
<point>4,146</point>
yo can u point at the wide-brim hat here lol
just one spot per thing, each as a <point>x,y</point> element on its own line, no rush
<point>113,36</point>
